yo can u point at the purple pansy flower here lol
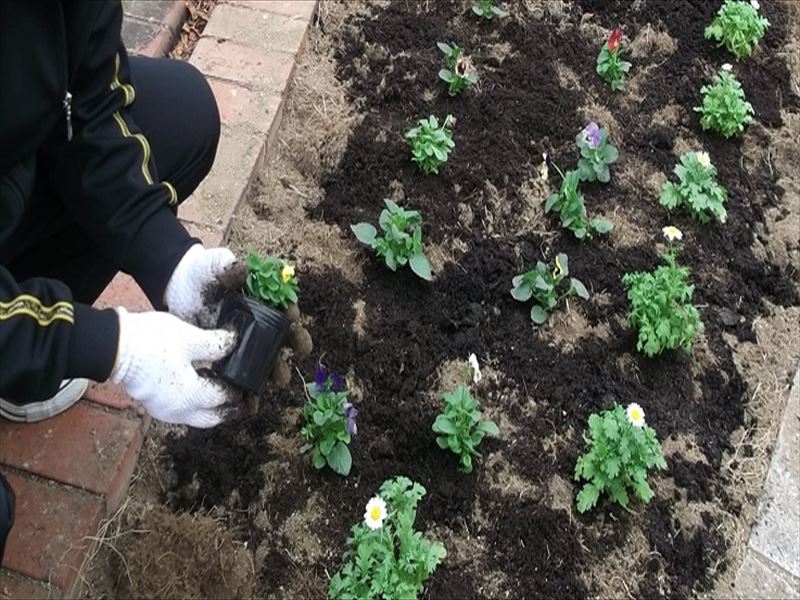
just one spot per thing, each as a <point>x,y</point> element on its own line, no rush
<point>350,413</point>
<point>591,135</point>
<point>328,381</point>
<point>321,378</point>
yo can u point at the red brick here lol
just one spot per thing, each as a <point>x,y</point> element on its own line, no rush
<point>14,585</point>
<point>248,110</point>
<point>256,69</point>
<point>109,395</point>
<point>48,540</point>
<point>211,238</point>
<point>262,30</point>
<point>83,446</point>
<point>301,9</point>
<point>123,291</point>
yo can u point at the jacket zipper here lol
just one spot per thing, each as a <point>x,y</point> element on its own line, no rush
<point>67,103</point>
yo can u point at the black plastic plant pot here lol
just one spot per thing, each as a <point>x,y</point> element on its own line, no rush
<point>261,332</point>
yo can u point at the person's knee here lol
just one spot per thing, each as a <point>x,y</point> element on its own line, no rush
<point>206,116</point>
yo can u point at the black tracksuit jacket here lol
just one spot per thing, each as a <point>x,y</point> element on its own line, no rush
<point>64,83</point>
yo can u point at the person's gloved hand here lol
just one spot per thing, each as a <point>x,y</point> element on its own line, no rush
<point>154,366</point>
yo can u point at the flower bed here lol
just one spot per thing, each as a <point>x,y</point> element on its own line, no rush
<point>511,527</point>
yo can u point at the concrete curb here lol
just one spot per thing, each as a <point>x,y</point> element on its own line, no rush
<point>166,39</point>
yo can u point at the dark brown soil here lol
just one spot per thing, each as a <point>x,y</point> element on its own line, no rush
<point>389,61</point>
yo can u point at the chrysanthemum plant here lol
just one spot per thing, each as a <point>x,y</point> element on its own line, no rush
<point>330,422</point>
<point>610,65</point>
<point>725,109</point>
<point>459,74</point>
<point>271,281</point>
<point>544,285</point>
<point>488,9</point>
<point>596,154</point>
<point>568,203</point>
<point>431,143</point>
<point>401,242</point>
<point>697,189</point>
<point>661,304</point>
<point>621,450</point>
<point>738,26</point>
<point>386,556</point>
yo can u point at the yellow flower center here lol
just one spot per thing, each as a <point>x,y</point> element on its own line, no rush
<point>636,414</point>
<point>375,513</point>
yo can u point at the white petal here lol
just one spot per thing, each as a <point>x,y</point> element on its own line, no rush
<point>727,67</point>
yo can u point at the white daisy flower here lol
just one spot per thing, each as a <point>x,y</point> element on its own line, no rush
<point>727,67</point>
<point>704,159</point>
<point>376,513</point>
<point>755,4</point>
<point>672,233</point>
<point>635,414</point>
<point>474,368</point>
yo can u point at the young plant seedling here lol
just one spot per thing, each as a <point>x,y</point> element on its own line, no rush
<point>610,65</point>
<point>661,304</point>
<point>330,423</point>
<point>568,203</point>
<point>271,281</point>
<point>725,109</point>
<point>430,143</point>
<point>488,10</point>
<point>738,26</point>
<point>386,557</point>
<point>461,427</point>
<point>542,284</point>
<point>401,242</point>
<point>459,74</point>
<point>697,188</point>
<point>596,154</point>
<point>621,450</point>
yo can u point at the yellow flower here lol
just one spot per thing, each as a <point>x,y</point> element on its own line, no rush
<point>287,273</point>
<point>703,159</point>
<point>376,513</point>
<point>672,233</point>
<point>635,415</point>
<point>559,270</point>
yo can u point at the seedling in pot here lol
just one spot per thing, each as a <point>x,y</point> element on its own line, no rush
<point>568,203</point>
<point>330,422</point>
<point>725,109</point>
<point>488,10</point>
<point>271,281</point>
<point>386,557</point>
<point>738,26</point>
<point>661,304</point>
<point>401,242</point>
<point>621,450</point>
<point>596,154</point>
<point>697,188</point>
<point>610,65</point>
<point>430,143</point>
<point>459,73</point>
<point>544,284</point>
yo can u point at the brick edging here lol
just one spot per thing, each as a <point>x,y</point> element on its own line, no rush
<point>167,37</point>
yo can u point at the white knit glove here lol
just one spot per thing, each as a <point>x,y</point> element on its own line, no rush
<point>198,283</point>
<point>154,365</point>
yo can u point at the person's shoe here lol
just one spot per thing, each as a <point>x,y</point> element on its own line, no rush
<point>69,393</point>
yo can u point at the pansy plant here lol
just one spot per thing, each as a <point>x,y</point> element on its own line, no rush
<point>738,26</point>
<point>725,109</point>
<point>271,281</point>
<point>596,154</point>
<point>488,9</point>
<point>386,557</point>
<point>459,73</point>
<point>545,285</point>
<point>568,203</point>
<point>620,451</point>
<point>610,65</point>
<point>401,242</point>
<point>431,143</point>
<point>330,422</point>
<point>697,189</point>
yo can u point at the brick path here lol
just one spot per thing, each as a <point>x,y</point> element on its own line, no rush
<point>72,471</point>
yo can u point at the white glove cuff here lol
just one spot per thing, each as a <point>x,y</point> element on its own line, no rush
<point>125,351</point>
<point>181,294</point>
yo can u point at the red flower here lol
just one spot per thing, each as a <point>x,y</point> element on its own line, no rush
<point>614,39</point>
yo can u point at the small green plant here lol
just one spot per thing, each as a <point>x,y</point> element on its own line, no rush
<point>738,27</point>
<point>386,557</point>
<point>459,73</point>
<point>401,243</point>
<point>461,427</point>
<point>725,109</point>
<point>697,188</point>
<point>330,422</point>
<point>568,203</point>
<point>621,450</point>
<point>661,304</point>
<point>596,154</point>
<point>271,281</point>
<point>610,65</point>
<point>542,284</point>
<point>430,143</point>
<point>488,10</point>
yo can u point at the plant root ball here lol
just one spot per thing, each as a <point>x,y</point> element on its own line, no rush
<point>300,340</point>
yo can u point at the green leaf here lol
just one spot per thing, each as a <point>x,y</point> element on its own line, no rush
<point>444,425</point>
<point>326,445</point>
<point>444,48</point>
<point>522,293</point>
<point>488,428</point>
<point>365,233</point>
<point>538,314</point>
<point>601,225</point>
<point>318,460</point>
<point>340,460</point>
<point>442,442</point>
<point>587,497</point>
<point>580,289</point>
<point>420,265</point>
